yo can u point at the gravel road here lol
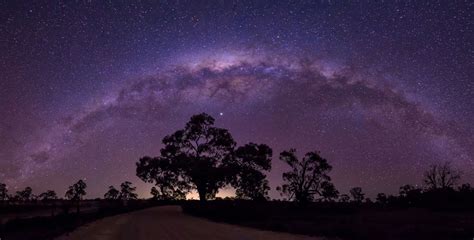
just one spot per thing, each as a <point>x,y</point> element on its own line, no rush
<point>169,223</point>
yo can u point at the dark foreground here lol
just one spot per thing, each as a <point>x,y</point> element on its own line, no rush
<point>331,220</point>
<point>37,222</point>
<point>169,223</point>
<point>346,221</point>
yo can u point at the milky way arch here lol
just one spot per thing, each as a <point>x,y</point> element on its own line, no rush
<point>364,125</point>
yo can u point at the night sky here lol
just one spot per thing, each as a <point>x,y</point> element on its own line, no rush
<point>383,90</point>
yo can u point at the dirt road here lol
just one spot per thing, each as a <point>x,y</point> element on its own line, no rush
<point>169,223</point>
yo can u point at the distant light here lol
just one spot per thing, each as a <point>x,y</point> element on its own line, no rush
<point>221,114</point>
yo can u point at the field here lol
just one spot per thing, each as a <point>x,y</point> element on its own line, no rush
<point>344,221</point>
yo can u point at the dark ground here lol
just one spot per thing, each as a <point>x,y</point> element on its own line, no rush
<point>339,220</point>
<point>333,220</point>
<point>48,227</point>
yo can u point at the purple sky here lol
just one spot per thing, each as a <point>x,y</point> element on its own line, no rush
<point>382,90</point>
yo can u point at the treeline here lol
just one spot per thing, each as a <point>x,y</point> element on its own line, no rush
<point>75,192</point>
<point>205,158</point>
<point>74,195</point>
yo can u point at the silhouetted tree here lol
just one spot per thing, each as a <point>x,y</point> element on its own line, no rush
<point>48,195</point>
<point>3,192</point>
<point>112,193</point>
<point>357,194</point>
<point>76,192</point>
<point>196,155</point>
<point>25,195</point>
<point>13,197</point>
<point>344,198</point>
<point>381,198</point>
<point>127,192</point>
<point>441,176</point>
<point>165,174</point>
<point>306,178</point>
<point>249,162</point>
<point>329,192</point>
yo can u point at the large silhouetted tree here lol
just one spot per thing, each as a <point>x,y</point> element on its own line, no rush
<point>3,192</point>
<point>249,162</point>
<point>112,193</point>
<point>127,191</point>
<point>306,177</point>
<point>76,192</point>
<point>441,176</point>
<point>196,155</point>
<point>165,174</point>
<point>357,194</point>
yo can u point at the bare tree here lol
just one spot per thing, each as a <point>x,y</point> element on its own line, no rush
<point>441,176</point>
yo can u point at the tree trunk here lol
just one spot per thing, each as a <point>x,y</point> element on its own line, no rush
<point>78,206</point>
<point>202,194</point>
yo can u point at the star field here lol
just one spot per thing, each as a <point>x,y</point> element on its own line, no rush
<point>383,90</point>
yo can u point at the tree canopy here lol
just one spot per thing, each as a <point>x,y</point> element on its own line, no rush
<point>203,157</point>
<point>25,194</point>
<point>249,162</point>
<point>165,175</point>
<point>112,193</point>
<point>127,191</point>
<point>76,191</point>
<point>48,195</point>
<point>307,176</point>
